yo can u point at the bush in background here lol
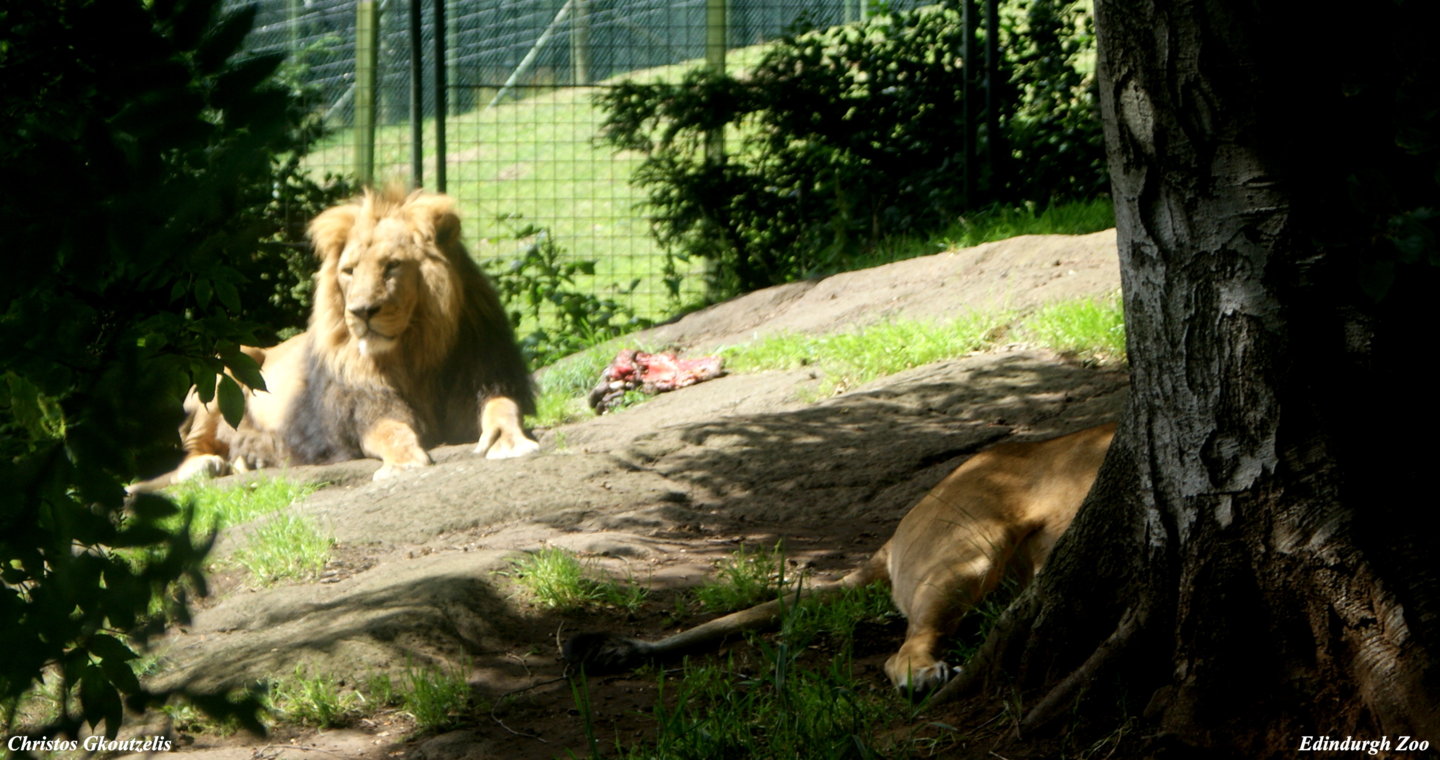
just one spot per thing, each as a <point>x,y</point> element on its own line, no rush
<point>845,136</point>
<point>539,288</point>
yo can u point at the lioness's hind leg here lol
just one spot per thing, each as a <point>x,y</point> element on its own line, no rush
<point>502,434</point>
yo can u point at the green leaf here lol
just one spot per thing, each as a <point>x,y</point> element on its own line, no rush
<point>232,400</point>
<point>228,295</point>
<point>244,368</point>
<point>121,675</point>
<point>107,647</point>
<point>99,700</point>
<point>204,383</point>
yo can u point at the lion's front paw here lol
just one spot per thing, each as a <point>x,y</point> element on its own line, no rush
<point>202,466</point>
<point>391,469</point>
<point>509,447</point>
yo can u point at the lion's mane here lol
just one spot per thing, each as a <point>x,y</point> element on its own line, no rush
<point>457,351</point>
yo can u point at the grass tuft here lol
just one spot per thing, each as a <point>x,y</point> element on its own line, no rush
<point>435,697</point>
<point>848,360</point>
<point>1001,222</point>
<point>744,579</point>
<point>285,547</point>
<point>219,507</point>
<point>320,700</point>
<point>559,580</point>
<point>1089,329</point>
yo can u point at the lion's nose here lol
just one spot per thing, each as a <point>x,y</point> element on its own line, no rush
<point>364,311</point>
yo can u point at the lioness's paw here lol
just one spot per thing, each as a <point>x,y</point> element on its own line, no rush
<point>918,678</point>
<point>509,447</point>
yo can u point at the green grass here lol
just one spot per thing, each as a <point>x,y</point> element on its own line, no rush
<point>285,547</point>
<point>436,697</point>
<point>797,694</point>
<point>319,700</point>
<point>744,579</point>
<point>1088,329</point>
<point>850,359</point>
<point>221,507</point>
<point>1004,222</point>
<point>558,580</point>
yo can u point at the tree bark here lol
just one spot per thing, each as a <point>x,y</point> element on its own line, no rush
<point>1253,565</point>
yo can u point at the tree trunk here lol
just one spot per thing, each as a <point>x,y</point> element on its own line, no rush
<point>1253,566</point>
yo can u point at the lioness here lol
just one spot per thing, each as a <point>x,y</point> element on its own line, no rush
<point>1001,511</point>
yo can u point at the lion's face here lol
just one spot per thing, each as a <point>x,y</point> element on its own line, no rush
<point>379,279</point>
<point>385,286</point>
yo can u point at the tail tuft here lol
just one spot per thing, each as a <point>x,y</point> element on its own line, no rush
<point>605,652</point>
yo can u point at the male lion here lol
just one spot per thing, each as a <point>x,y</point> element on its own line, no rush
<point>408,348</point>
<point>1000,512</point>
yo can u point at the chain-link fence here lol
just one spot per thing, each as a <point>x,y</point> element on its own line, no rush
<point>516,79</point>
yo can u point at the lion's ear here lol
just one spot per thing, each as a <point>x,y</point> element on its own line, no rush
<point>435,215</point>
<point>331,229</point>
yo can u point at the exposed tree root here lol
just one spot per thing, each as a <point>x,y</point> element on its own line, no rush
<point>1057,701</point>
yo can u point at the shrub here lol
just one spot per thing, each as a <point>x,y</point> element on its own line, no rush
<point>849,135</point>
<point>539,289</point>
<point>136,141</point>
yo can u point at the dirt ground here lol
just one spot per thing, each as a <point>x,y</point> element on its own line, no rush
<point>656,493</point>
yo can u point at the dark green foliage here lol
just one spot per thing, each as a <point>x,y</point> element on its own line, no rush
<point>539,289</point>
<point>1056,149</point>
<point>137,144</point>
<point>843,137</point>
<point>280,270</point>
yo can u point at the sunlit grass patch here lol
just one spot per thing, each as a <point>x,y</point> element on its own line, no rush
<point>558,579</point>
<point>436,697</point>
<point>285,547</point>
<point>1089,329</point>
<point>220,507</point>
<point>850,359</point>
<point>1003,222</point>
<point>317,700</point>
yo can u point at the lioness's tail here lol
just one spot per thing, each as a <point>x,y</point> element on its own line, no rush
<point>609,653</point>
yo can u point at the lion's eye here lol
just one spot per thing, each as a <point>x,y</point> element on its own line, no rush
<point>347,271</point>
<point>391,268</point>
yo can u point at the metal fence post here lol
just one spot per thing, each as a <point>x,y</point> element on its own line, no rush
<point>717,38</point>
<point>367,46</point>
<point>442,107</point>
<point>580,44</point>
<point>417,100</point>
